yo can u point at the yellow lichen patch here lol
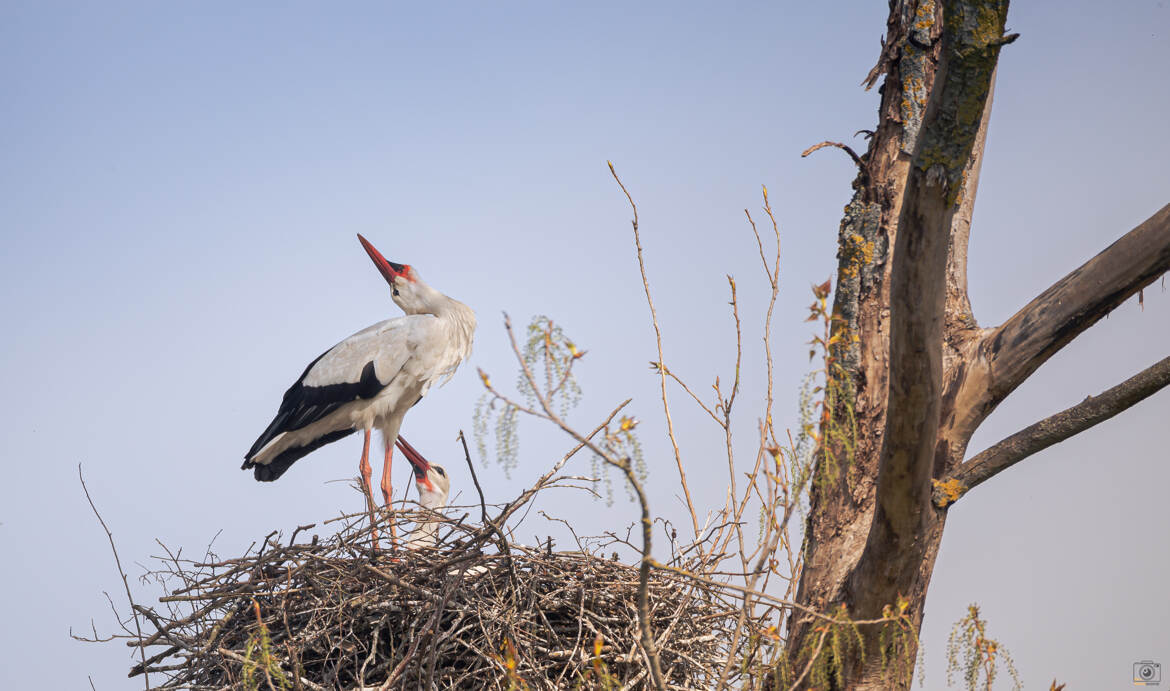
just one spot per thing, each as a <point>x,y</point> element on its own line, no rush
<point>950,490</point>
<point>856,251</point>
<point>913,87</point>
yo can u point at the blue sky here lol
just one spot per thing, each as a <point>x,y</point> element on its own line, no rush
<point>180,186</point>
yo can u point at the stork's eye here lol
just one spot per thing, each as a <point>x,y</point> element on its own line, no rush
<point>440,471</point>
<point>395,292</point>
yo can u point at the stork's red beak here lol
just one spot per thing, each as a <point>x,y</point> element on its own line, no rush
<point>389,269</point>
<point>421,466</point>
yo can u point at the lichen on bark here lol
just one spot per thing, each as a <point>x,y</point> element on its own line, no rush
<point>915,62</point>
<point>972,38</point>
<point>861,254</point>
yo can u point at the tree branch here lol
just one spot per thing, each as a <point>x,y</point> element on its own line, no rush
<point>649,647</point>
<point>958,305</point>
<point>1051,430</point>
<point>1074,303</point>
<point>682,475</point>
<point>861,167</point>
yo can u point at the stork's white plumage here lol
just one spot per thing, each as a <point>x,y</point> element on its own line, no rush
<point>369,380</point>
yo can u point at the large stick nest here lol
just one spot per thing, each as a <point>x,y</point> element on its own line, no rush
<point>471,613</point>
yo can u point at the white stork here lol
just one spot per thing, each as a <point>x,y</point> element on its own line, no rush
<point>433,486</point>
<point>370,379</point>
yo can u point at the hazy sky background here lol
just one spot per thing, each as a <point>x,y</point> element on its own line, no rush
<point>180,185</point>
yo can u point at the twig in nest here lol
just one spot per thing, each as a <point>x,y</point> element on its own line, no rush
<point>503,541</point>
<point>121,572</point>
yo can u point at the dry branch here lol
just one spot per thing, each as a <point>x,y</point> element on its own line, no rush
<point>682,475</point>
<point>1051,430</point>
<point>1076,302</point>
<point>844,147</point>
<point>118,563</point>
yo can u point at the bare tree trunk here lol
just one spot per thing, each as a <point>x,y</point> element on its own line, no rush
<point>922,374</point>
<point>842,507</point>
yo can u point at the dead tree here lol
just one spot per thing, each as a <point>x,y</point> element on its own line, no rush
<point>922,373</point>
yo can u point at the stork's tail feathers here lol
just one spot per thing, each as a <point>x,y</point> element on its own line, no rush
<point>267,472</point>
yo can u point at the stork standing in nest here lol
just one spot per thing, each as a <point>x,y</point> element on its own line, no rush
<point>369,380</point>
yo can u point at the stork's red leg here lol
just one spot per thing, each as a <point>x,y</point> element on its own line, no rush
<point>367,478</point>
<point>364,466</point>
<point>388,487</point>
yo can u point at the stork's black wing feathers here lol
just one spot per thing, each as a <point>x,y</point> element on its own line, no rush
<point>358,368</point>
<point>303,405</point>
<point>267,472</point>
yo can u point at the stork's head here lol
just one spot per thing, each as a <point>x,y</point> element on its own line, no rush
<point>407,290</point>
<point>432,483</point>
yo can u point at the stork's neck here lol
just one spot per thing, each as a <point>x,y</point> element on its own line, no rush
<point>431,499</point>
<point>431,301</point>
<point>425,535</point>
<point>450,308</point>
<point>459,316</point>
